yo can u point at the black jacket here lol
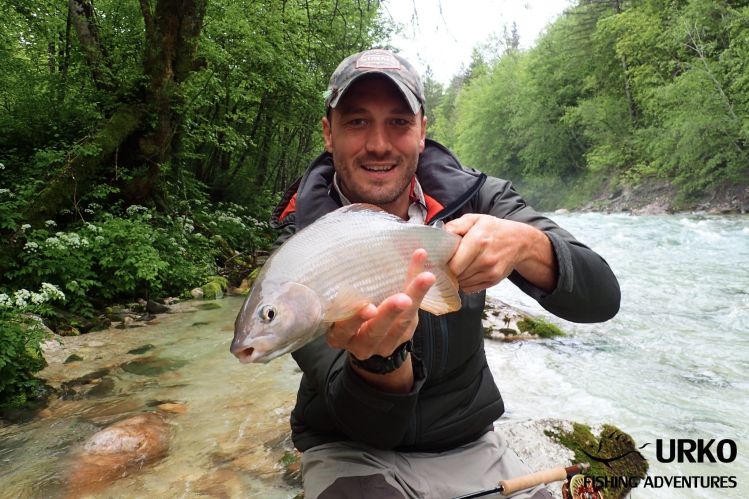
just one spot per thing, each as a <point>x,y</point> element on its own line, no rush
<point>454,399</point>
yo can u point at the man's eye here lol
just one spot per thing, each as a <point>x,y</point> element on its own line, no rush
<point>357,122</point>
<point>401,122</point>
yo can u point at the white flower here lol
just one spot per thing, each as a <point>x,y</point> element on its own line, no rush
<point>25,227</point>
<point>21,296</point>
<point>5,301</point>
<point>31,246</point>
<point>2,166</point>
<point>88,211</point>
<point>93,227</point>
<point>52,292</point>
<point>135,208</point>
<point>50,223</point>
<point>4,191</point>
<point>53,242</point>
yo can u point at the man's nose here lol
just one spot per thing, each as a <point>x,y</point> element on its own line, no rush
<point>378,142</point>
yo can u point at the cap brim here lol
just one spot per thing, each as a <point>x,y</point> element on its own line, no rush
<point>412,100</point>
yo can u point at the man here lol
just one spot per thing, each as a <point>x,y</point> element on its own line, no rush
<point>397,402</point>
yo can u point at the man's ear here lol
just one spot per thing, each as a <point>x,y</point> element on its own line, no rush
<point>422,140</point>
<point>326,134</point>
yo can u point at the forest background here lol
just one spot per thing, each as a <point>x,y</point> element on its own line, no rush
<point>143,144</point>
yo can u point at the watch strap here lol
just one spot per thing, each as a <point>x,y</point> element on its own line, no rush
<point>378,364</point>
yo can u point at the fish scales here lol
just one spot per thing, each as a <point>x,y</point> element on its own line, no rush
<point>328,270</point>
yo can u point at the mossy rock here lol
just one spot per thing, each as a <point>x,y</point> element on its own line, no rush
<point>68,331</point>
<point>215,287</point>
<point>539,327</point>
<point>212,291</point>
<point>291,462</point>
<point>220,280</point>
<point>612,454</point>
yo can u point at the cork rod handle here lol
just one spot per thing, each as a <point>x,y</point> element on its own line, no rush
<point>527,481</point>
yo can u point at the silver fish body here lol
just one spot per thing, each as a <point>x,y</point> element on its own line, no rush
<point>327,271</point>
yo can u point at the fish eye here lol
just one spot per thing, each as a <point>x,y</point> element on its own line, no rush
<point>267,313</point>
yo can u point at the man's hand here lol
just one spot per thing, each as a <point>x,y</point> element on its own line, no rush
<point>380,330</point>
<point>493,247</point>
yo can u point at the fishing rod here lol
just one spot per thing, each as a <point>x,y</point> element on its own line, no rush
<point>506,487</point>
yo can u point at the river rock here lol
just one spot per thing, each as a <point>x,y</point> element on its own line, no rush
<point>173,407</point>
<point>156,308</point>
<point>118,450</point>
<point>196,293</point>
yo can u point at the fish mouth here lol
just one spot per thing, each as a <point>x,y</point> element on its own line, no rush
<point>244,355</point>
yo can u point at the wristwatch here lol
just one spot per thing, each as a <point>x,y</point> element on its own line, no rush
<point>378,364</point>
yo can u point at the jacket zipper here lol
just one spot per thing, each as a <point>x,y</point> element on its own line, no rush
<point>449,211</point>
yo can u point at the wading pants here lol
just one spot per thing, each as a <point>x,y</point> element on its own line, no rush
<point>346,470</point>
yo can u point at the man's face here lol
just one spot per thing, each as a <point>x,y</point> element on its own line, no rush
<point>375,140</point>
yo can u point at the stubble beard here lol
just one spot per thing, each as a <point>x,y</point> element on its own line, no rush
<point>374,193</point>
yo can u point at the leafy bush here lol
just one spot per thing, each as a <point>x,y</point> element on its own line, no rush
<point>135,252</point>
<point>20,337</point>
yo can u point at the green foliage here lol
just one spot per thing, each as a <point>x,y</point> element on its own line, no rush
<point>138,253</point>
<point>624,90</point>
<point>20,358</point>
<point>20,337</point>
<point>120,180</point>
<point>539,327</point>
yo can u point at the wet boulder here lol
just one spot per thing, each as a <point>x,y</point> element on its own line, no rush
<point>119,450</point>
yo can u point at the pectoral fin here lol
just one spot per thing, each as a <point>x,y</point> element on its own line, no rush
<point>347,302</point>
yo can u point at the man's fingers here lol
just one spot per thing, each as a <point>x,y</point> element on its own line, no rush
<point>419,287</point>
<point>416,266</point>
<point>461,225</point>
<point>387,314</point>
<point>463,257</point>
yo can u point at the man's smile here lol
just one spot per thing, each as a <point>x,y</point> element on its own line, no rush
<point>378,167</point>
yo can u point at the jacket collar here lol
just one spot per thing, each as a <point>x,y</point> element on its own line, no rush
<point>440,174</point>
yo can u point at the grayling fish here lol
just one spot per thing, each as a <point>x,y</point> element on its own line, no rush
<point>329,270</point>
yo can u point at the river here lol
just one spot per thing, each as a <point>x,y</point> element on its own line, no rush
<point>673,364</point>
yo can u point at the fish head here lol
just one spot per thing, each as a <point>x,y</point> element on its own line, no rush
<point>276,318</point>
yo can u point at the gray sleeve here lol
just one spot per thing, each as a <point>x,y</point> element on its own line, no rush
<point>586,290</point>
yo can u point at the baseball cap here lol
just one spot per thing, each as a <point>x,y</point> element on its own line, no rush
<point>376,61</point>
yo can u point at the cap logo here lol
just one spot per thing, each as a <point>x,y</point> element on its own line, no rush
<point>377,59</point>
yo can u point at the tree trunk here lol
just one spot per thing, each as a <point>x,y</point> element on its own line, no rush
<point>172,32</point>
